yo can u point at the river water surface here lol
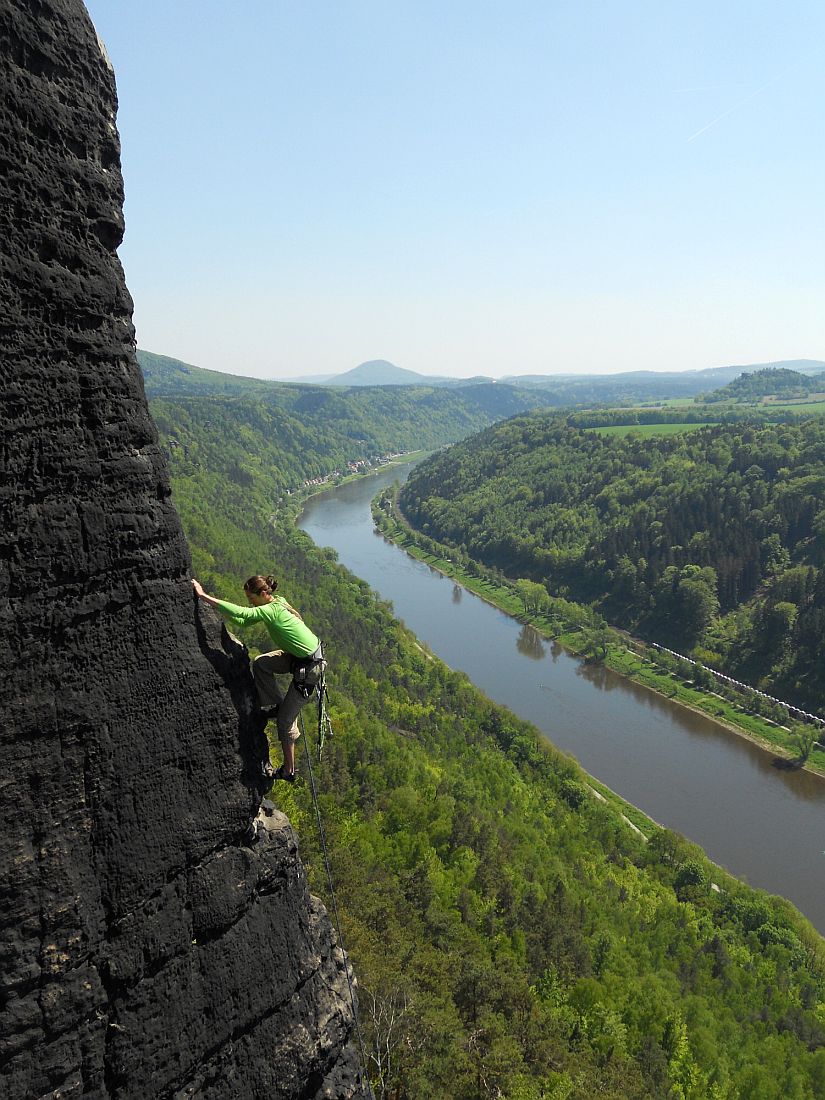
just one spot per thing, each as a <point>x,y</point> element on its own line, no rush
<point>765,825</point>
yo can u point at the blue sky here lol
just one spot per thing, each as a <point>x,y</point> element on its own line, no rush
<point>469,187</point>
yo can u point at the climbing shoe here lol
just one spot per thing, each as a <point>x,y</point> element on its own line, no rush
<point>268,772</point>
<point>281,774</point>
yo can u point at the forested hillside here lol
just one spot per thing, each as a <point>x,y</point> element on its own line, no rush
<point>291,433</point>
<point>385,417</point>
<point>512,936</point>
<point>314,432</point>
<point>164,375</point>
<point>710,540</point>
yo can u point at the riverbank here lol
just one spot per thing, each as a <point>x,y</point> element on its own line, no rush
<point>584,634</point>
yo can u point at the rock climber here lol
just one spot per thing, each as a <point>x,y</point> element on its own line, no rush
<point>299,655</point>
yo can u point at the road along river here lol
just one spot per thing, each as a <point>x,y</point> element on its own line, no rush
<point>765,825</point>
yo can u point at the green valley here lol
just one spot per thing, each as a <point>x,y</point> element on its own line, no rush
<point>512,935</point>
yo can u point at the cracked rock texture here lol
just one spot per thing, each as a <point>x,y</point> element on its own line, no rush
<point>144,950</point>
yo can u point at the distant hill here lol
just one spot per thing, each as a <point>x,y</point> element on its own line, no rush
<point>310,379</point>
<point>566,388</point>
<point>165,375</point>
<point>636,387</point>
<point>162,373</point>
<point>768,382</point>
<point>722,374</point>
<point>380,372</point>
<point>803,366</point>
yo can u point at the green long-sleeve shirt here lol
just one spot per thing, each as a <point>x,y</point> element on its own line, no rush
<point>286,630</point>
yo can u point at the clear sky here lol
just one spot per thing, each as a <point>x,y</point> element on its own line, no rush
<point>465,187</point>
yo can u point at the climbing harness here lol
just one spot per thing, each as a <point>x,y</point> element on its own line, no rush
<point>308,672</point>
<point>322,838</point>
<point>308,675</point>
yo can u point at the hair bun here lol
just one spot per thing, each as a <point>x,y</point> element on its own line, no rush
<point>272,584</point>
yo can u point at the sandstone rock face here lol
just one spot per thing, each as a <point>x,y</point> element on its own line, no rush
<point>144,950</point>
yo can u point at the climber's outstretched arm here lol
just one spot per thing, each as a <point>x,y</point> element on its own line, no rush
<point>232,611</point>
<point>199,592</point>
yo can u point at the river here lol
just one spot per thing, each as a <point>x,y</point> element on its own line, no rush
<point>763,824</point>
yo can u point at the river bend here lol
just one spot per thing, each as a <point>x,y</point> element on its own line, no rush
<point>764,825</point>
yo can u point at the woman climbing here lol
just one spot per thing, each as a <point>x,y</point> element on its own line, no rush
<point>299,654</point>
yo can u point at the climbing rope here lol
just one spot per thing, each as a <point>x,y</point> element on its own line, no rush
<point>322,837</point>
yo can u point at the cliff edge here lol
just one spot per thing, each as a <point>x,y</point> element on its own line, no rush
<point>145,951</point>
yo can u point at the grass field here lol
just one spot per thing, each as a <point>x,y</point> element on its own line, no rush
<point>648,429</point>
<point>802,407</point>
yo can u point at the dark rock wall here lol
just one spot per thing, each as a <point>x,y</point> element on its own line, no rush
<point>144,951</point>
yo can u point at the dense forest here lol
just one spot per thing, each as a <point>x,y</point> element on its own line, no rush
<point>711,541</point>
<point>512,936</point>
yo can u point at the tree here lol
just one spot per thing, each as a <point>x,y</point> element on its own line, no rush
<point>697,602</point>
<point>394,1033</point>
<point>774,627</point>
<point>773,554</point>
<point>533,596</point>
<point>804,738</point>
<point>691,881</point>
<point>597,640</point>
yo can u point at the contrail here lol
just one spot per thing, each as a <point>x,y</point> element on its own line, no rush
<point>705,88</point>
<point>730,110</point>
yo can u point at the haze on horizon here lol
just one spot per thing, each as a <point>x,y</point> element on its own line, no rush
<point>471,188</point>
